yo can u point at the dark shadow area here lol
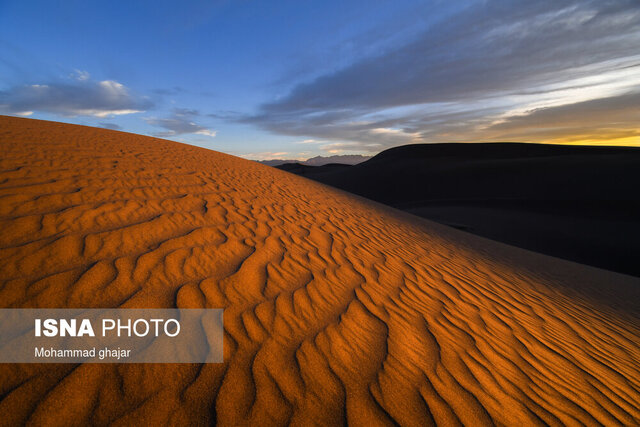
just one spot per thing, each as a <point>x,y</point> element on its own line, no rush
<point>573,202</point>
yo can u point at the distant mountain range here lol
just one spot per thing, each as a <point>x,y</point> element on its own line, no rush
<point>344,159</point>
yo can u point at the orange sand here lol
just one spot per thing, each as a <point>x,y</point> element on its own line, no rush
<point>336,309</point>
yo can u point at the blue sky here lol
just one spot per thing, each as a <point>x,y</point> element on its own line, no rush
<point>295,79</point>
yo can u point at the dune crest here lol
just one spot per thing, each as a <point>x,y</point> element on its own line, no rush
<point>336,309</point>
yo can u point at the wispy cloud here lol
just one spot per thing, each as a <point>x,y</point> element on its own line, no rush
<point>80,75</point>
<point>108,125</point>
<point>181,122</point>
<point>309,141</point>
<point>612,118</point>
<point>80,97</point>
<point>492,61</point>
<point>265,155</point>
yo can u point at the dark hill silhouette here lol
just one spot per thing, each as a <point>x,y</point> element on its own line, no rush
<point>344,159</point>
<point>302,169</point>
<point>580,203</point>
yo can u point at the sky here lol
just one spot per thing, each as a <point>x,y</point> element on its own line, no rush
<point>297,79</point>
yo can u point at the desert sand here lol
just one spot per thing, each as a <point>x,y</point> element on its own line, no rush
<point>337,309</point>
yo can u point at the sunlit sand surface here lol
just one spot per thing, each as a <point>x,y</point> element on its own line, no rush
<point>337,309</point>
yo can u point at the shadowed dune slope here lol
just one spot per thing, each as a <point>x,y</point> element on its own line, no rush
<point>337,309</point>
<point>579,203</point>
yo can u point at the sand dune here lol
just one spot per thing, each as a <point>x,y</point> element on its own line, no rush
<point>336,309</point>
<point>579,203</point>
